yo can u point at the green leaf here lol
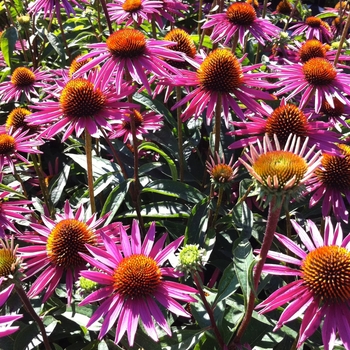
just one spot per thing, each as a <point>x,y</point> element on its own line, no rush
<point>115,199</point>
<point>174,189</point>
<point>58,47</point>
<point>153,147</point>
<point>100,166</point>
<point>57,187</point>
<point>197,223</point>
<point>243,259</point>
<point>243,219</point>
<point>8,41</point>
<point>161,210</point>
<point>228,284</point>
<point>16,8</point>
<point>181,340</point>
<point>155,106</point>
<point>11,190</point>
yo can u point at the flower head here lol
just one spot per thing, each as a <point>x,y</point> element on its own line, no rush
<point>283,173</point>
<point>333,183</point>
<point>50,7</point>
<point>11,211</point>
<point>221,75</point>
<point>283,121</point>
<point>321,292</point>
<point>129,50</point>
<point>144,123</point>
<point>14,141</point>
<point>221,173</point>
<point>313,27</point>
<point>16,120</point>
<point>190,258</point>
<point>240,19</point>
<point>24,83</point>
<point>56,247</point>
<point>317,78</point>
<point>133,11</point>
<point>82,105</point>
<point>133,280</point>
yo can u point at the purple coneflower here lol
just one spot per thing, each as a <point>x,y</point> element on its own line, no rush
<point>6,321</point>
<point>131,11</point>
<point>313,28</point>
<point>144,123</point>
<point>333,184</point>
<point>321,291</point>
<point>24,82</point>
<point>13,142</point>
<point>240,19</point>
<point>316,78</point>
<point>133,280</point>
<point>56,247</point>
<point>281,172</point>
<point>82,104</point>
<point>11,210</point>
<point>128,50</point>
<point>221,75</point>
<point>168,11</point>
<point>284,120</point>
<point>51,7</point>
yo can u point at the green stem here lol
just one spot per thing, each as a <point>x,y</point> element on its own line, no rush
<point>234,43</point>
<point>209,310</point>
<point>88,151</point>
<point>342,39</point>
<point>154,28</point>
<point>217,124</point>
<point>199,19</point>
<point>218,204</point>
<point>28,306</point>
<point>179,134</point>
<point>105,10</point>
<point>271,225</point>
<point>115,154</point>
<point>42,184</point>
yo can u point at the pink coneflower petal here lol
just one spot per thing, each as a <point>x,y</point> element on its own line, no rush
<point>138,267</point>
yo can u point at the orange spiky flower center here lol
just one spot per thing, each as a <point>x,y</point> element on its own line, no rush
<point>137,276</point>
<point>184,44</point>
<point>282,165</point>
<point>16,119</point>
<point>138,121</point>
<point>313,22</point>
<point>286,120</point>
<point>7,262</point>
<point>241,13</point>
<point>22,77</point>
<point>284,7</point>
<point>220,72</point>
<point>326,273</point>
<point>335,171</point>
<point>311,49</point>
<point>131,5</point>
<point>7,144</point>
<point>80,99</point>
<point>222,173</point>
<point>127,43</point>
<point>319,71</point>
<point>329,111</point>
<point>75,65</point>
<point>66,240</point>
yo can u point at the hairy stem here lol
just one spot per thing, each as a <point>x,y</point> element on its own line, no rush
<point>209,310</point>
<point>179,134</point>
<point>28,306</point>
<point>88,150</point>
<point>271,225</point>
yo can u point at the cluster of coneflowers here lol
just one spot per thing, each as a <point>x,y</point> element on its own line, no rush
<point>276,81</point>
